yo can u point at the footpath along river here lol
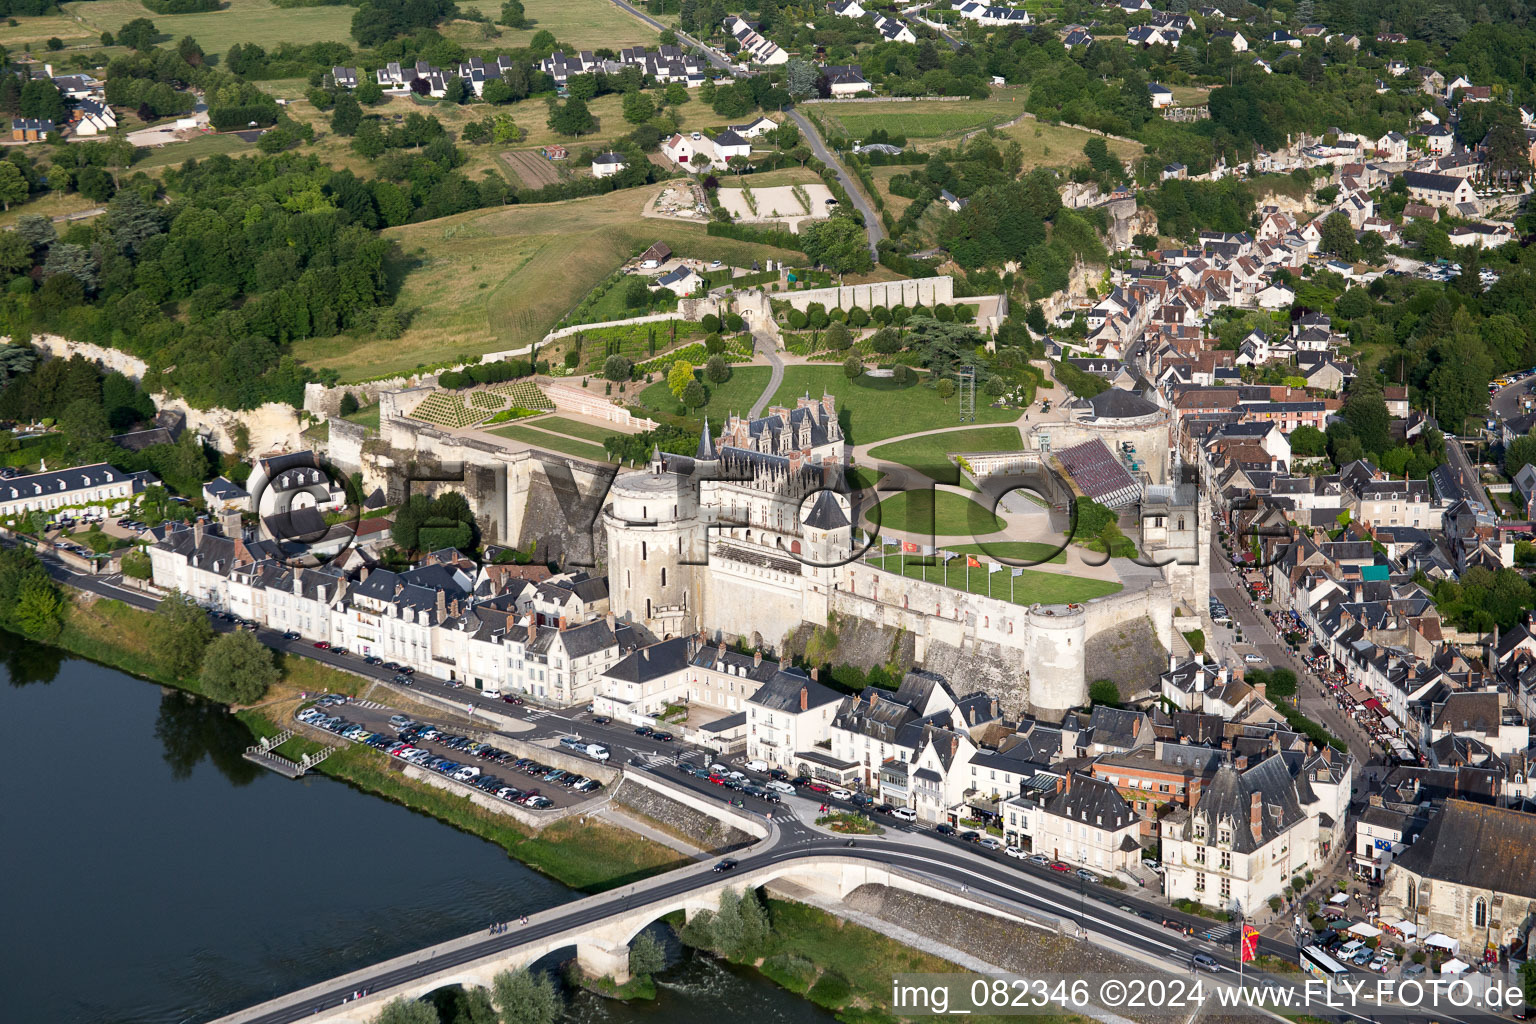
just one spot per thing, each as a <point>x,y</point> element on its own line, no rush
<point>155,877</point>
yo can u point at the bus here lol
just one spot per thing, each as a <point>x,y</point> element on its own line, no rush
<point>1319,964</point>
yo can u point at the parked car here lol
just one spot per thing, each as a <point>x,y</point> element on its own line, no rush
<point>970,835</point>
<point>818,787</point>
<point>776,786</point>
<point>290,635</point>
<point>664,737</point>
<point>946,830</point>
<point>644,730</point>
<point>1057,865</point>
<point>322,645</point>
<point>725,865</point>
<point>1014,852</point>
<point>839,793</point>
<point>1086,875</point>
<point>601,719</point>
<point>757,765</point>
<point>904,814</point>
<point>989,843</point>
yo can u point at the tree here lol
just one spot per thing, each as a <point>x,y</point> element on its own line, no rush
<point>679,377</point>
<point>694,396</point>
<point>838,337</point>
<point>1308,441</point>
<point>41,98</point>
<point>853,368</point>
<point>513,15</point>
<point>572,117</point>
<point>83,422</point>
<point>180,635</point>
<point>348,404</point>
<point>13,184</point>
<point>838,243</point>
<point>646,956</point>
<point>717,370</point>
<point>39,608</point>
<point>138,34</point>
<point>1338,237</point>
<point>238,668</point>
<point>1365,410</point>
<point>504,129</point>
<point>617,368</point>
<point>1528,982</point>
<point>638,107</point>
<point>1105,692</point>
<point>800,78</point>
<point>136,565</point>
<point>402,1011</point>
<point>1520,453</point>
<point>522,997</point>
<point>348,114</point>
<point>637,292</point>
<point>946,389</point>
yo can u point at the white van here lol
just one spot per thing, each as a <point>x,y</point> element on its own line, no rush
<point>598,751</point>
<point>492,693</point>
<point>904,814</point>
<point>757,766</point>
<point>1348,950</point>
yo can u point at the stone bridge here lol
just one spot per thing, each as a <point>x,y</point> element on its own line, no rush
<point>600,928</point>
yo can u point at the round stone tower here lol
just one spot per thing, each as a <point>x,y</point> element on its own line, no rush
<point>652,524</point>
<point>1056,658</point>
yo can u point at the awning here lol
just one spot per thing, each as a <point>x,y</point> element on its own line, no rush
<point>1443,941</point>
<point>1339,897</point>
<point>1374,705</point>
<point>1407,928</point>
<point>1364,930</point>
<point>1454,966</point>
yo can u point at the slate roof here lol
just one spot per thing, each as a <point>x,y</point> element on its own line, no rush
<point>782,692</point>
<point>826,513</point>
<point>1228,799</point>
<point>1120,404</point>
<point>1093,801</point>
<point>651,662</point>
<point>1478,846</point>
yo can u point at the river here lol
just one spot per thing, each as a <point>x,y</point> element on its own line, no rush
<point>152,876</point>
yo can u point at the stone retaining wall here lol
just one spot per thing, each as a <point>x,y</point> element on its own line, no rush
<point>695,827</point>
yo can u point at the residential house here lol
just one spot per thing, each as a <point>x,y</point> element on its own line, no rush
<point>788,718</point>
<point>50,490</point>
<point>1086,824</point>
<point>893,31</point>
<point>1444,191</point>
<point>845,79</point>
<point>606,165</point>
<point>1162,96</point>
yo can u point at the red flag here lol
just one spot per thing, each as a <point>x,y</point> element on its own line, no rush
<point>1250,943</point>
<point>971,561</point>
<point>909,548</point>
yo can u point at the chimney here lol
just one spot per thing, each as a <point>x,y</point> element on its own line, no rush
<point>1242,764</point>
<point>1262,689</point>
<point>805,697</point>
<point>814,674</point>
<point>454,608</point>
<point>1256,812</point>
<point>362,574</point>
<point>954,745</point>
<point>1173,662</point>
<point>1221,676</point>
<point>645,654</point>
<point>721,649</point>
<point>197,532</point>
<point>442,605</point>
<point>1376,800</point>
<point>611,620</point>
<point>1065,786</point>
<point>533,630</point>
<point>757,658</point>
<point>994,707</point>
<point>563,623</point>
<point>232,527</point>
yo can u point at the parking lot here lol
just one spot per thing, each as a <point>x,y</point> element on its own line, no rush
<point>446,752</point>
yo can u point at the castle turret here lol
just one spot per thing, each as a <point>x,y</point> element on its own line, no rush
<point>1057,660</point>
<point>706,452</point>
<point>652,522</point>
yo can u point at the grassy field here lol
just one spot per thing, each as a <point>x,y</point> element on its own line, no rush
<point>241,21</point>
<point>1019,550</point>
<point>1057,145</point>
<point>553,442</point>
<point>935,513</point>
<point>597,432</point>
<point>735,395</point>
<point>174,154</point>
<point>39,30</point>
<point>874,409</point>
<point>929,454</point>
<point>582,24</point>
<point>1189,95</point>
<point>499,279</point>
<point>922,119</point>
<point>49,204</point>
<point>1028,587</point>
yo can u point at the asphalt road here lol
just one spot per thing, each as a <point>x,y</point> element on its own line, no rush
<point>710,54</point>
<point>872,225</point>
<point>1316,701</point>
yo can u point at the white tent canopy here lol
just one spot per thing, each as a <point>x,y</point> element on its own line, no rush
<point>1407,928</point>
<point>1340,897</point>
<point>1455,966</point>
<point>1443,941</point>
<point>1365,930</point>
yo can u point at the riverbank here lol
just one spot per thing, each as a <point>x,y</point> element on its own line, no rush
<point>590,855</point>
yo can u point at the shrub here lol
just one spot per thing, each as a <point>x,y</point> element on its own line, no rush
<point>711,323</point>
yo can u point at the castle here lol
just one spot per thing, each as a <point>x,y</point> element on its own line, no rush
<point>754,537</point>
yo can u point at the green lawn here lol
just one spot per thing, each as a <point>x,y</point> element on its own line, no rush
<point>929,454</point>
<point>368,416</point>
<point>239,21</point>
<point>873,409</point>
<point>590,431</point>
<point>1023,550</point>
<point>935,513</point>
<point>192,149</point>
<point>923,119</point>
<point>1030,586</point>
<point>553,442</point>
<point>735,395</point>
